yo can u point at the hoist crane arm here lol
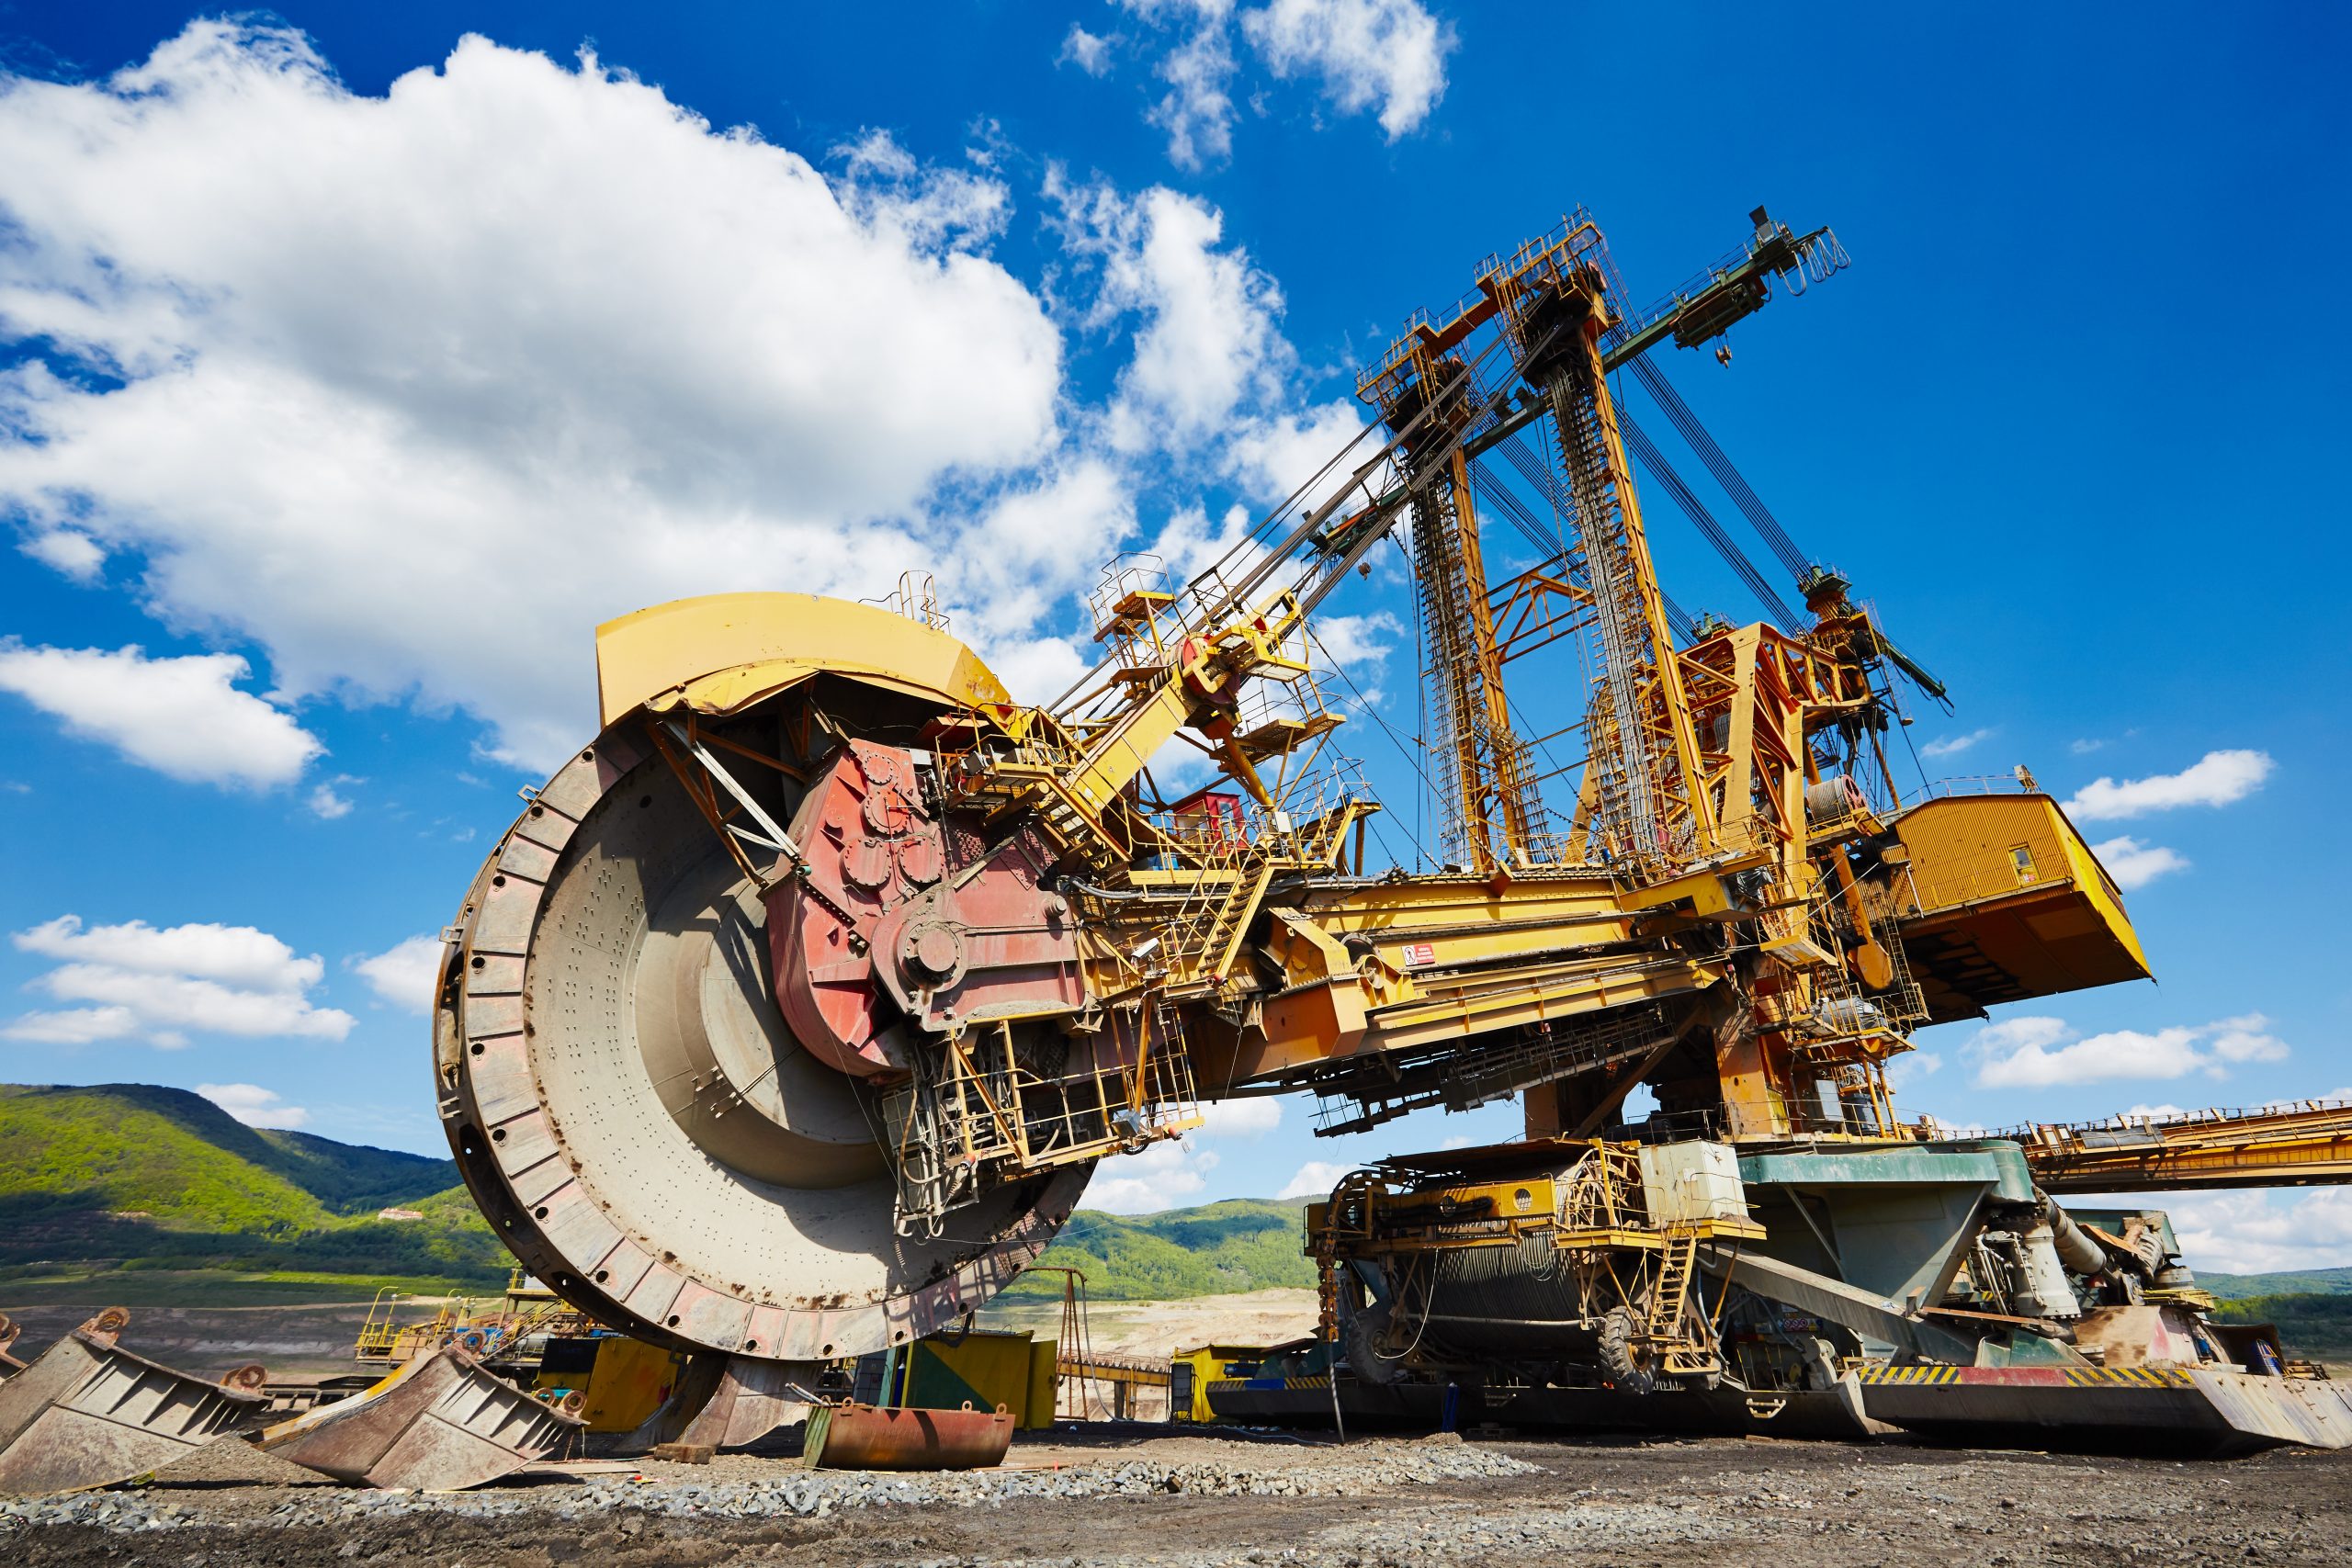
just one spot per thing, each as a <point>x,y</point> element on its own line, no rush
<point>1701,310</point>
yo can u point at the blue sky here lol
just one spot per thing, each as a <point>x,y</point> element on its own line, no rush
<point>391,393</point>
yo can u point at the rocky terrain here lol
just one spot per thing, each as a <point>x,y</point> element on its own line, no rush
<point>1195,1500</point>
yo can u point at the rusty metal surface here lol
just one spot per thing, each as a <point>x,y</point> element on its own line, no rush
<point>729,1402</point>
<point>88,1412</point>
<point>863,1437</point>
<point>659,1093</point>
<point>440,1424</point>
<point>754,1398</point>
<point>884,922</point>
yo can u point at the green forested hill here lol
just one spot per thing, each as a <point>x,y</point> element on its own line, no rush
<point>2312,1308</point>
<point>137,1175</point>
<point>2301,1282</point>
<point>1244,1243</point>
<point>115,1177</point>
<point>177,1156</point>
<point>2316,1326</point>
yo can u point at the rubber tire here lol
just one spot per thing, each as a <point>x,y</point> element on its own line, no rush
<point>1362,1336</point>
<point>1616,1349</point>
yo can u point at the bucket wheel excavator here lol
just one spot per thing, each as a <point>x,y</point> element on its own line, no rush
<point>788,1020</point>
<point>670,1040</point>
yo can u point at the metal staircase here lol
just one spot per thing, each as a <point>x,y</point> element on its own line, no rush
<point>1679,1354</point>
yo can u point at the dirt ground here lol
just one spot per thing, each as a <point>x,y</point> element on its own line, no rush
<point>1186,1497</point>
<point>1160,1328</point>
<point>1107,1499</point>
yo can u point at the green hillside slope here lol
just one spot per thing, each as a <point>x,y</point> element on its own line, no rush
<point>1244,1243</point>
<point>166,1150</point>
<point>2317,1326</point>
<point>2312,1308</point>
<point>2300,1282</point>
<point>133,1175</point>
<point>114,1176</point>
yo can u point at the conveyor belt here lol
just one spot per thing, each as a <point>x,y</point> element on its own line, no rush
<point>2305,1144</point>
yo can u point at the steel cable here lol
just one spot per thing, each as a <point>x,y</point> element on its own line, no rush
<point>1751,506</point>
<point>1725,545</point>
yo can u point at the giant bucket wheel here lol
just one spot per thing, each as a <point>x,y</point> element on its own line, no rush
<point>634,1114</point>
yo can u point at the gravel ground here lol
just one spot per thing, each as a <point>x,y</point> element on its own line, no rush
<point>1198,1501</point>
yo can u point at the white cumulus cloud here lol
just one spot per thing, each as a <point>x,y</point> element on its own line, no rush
<point>134,980</point>
<point>327,804</point>
<point>317,420</point>
<point>1207,341</point>
<point>1162,1176</point>
<point>241,956</point>
<point>2135,864</point>
<point>1197,110</point>
<point>1091,53</point>
<point>81,1026</point>
<point>1383,56</point>
<point>1953,745</point>
<point>1358,641</point>
<point>2043,1053</point>
<point>1388,54</point>
<point>182,716</point>
<point>413,389</point>
<point>1314,1180</point>
<point>68,551</point>
<point>406,974</point>
<point>253,1105</point>
<point>2218,778</point>
<point>2246,1039</point>
<point>1251,1118</point>
<point>1209,376</point>
<point>2256,1232</point>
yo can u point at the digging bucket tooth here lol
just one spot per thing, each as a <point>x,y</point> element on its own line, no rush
<point>861,1436</point>
<point>88,1412</point>
<point>729,1402</point>
<point>442,1423</point>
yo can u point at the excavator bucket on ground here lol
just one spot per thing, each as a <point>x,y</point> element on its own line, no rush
<point>729,1402</point>
<point>440,1424</point>
<point>863,1437</point>
<point>88,1412</point>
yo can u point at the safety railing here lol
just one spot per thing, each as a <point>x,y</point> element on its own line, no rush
<point>1972,784</point>
<point>2158,1122</point>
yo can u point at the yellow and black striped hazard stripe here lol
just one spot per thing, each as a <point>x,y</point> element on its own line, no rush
<point>1908,1376</point>
<point>2076,1377</point>
<point>2132,1377</point>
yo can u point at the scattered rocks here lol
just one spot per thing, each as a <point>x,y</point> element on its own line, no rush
<point>1200,1500</point>
<point>794,1493</point>
<point>105,1510</point>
